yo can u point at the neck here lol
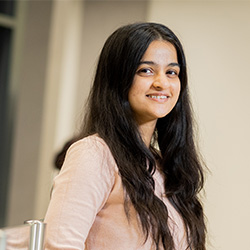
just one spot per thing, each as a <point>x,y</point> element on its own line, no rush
<point>146,131</point>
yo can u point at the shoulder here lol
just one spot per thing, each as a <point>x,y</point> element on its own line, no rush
<point>92,144</point>
<point>92,141</point>
<point>90,151</point>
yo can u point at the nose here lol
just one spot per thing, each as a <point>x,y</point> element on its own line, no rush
<point>161,82</point>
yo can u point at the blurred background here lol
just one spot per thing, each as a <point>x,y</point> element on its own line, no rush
<point>48,53</point>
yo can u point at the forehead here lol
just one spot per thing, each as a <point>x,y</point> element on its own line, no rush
<point>160,49</point>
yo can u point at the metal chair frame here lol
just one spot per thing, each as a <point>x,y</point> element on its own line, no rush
<point>36,237</point>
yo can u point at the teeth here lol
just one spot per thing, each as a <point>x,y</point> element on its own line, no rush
<point>158,96</point>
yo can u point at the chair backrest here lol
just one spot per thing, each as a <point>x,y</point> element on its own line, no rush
<point>29,236</point>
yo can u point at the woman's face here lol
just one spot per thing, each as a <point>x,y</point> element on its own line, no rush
<point>156,85</point>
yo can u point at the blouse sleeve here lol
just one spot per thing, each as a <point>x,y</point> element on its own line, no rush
<point>79,192</point>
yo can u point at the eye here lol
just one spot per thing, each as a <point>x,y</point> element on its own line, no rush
<point>145,71</point>
<point>172,73</point>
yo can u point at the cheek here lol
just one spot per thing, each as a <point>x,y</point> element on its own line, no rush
<point>176,89</point>
<point>134,91</point>
<point>132,96</point>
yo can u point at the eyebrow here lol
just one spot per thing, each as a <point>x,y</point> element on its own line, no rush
<point>153,63</point>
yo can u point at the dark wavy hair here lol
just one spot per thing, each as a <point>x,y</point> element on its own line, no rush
<point>109,114</point>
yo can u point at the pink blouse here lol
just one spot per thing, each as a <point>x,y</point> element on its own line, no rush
<point>86,210</point>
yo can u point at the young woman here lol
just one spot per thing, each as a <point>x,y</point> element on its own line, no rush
<point>131,181</point>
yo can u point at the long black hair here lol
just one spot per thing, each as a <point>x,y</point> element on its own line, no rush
<point>109,115</point>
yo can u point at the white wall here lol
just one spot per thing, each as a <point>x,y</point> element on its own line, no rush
<point>29,77</point>
<point>62,77</point>
<point>216,38</point>
<point>49,72</point>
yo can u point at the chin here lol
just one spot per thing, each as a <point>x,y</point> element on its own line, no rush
<point>162,115</point>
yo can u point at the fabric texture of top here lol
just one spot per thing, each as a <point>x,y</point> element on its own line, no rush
<point>86,210</point>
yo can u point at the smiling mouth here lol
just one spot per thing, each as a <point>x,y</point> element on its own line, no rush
<point>159,97</point>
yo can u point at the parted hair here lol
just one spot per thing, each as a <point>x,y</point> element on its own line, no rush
<point>108,113</point>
